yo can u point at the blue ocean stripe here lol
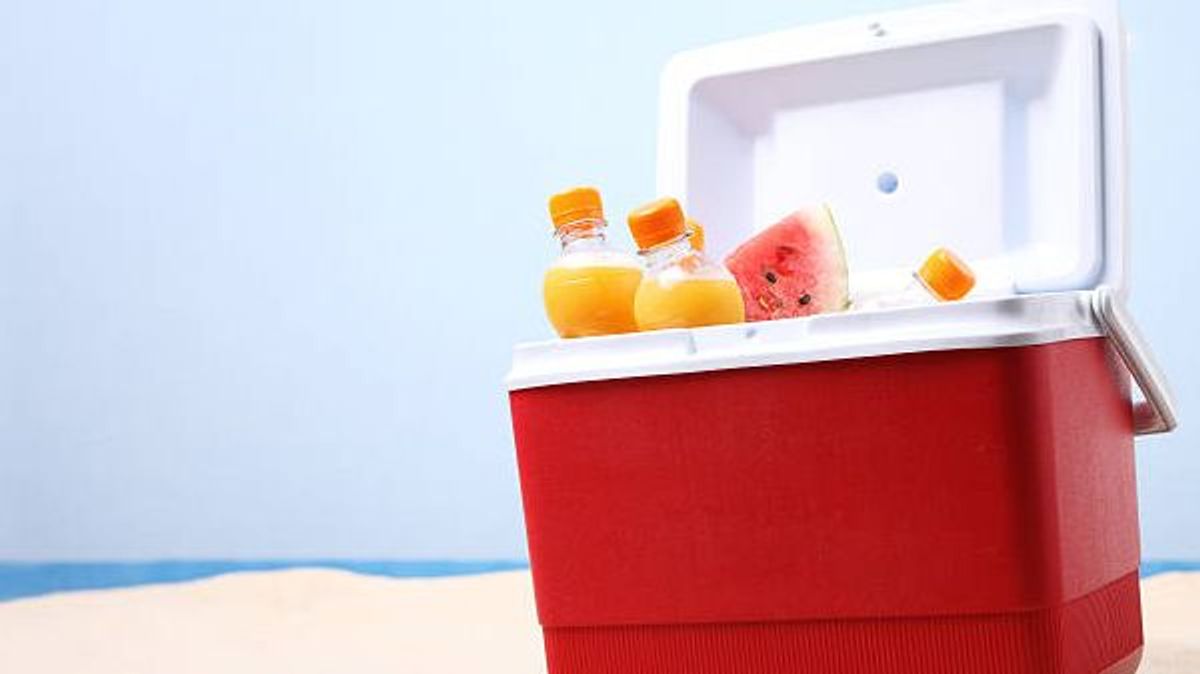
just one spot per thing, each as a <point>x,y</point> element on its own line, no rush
<point>30,579</point>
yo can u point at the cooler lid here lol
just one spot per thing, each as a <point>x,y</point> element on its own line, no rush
<point>994,129</point>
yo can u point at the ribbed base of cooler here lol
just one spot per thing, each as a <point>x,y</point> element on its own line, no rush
<point>1099,633</point>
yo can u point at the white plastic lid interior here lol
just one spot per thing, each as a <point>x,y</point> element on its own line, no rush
<point>968,131</point>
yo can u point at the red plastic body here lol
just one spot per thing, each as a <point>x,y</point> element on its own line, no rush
<point>954,511</point>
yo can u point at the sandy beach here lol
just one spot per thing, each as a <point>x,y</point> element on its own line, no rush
<point>310,621</point>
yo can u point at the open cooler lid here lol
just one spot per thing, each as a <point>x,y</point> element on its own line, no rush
<point>993,129</point>
<point>1001,126</point>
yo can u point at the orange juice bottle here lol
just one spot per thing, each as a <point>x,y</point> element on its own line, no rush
<point>942,277</point>
<point>681,287</point>
<point>590,287</point>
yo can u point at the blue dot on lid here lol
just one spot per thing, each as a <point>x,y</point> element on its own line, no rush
<point>887,182</point>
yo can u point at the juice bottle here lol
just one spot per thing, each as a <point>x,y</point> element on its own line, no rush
<point>681,287</point>
<point>589,289</point>
<point>942,277</point>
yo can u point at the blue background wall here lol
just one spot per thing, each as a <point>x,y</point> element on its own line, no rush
<point>261,262</point>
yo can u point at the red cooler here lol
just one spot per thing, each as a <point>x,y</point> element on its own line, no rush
<point>932,489</point>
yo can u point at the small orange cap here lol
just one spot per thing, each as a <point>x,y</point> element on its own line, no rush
<point>580,203</point>
<point>656,222</point>
<point>946,275</point>
<point>696,230</point>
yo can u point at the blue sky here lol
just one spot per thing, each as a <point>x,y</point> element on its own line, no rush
<point>261,263</point>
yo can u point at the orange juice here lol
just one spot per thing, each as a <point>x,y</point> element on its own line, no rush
<point>681,287</point>
<point>589,289</point>
<point>590,295</point>
<point>688,303</point>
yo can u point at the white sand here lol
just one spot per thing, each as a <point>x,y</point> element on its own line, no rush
<point>1171,620</point>
<point>331,621</point>
<point>283,621</point>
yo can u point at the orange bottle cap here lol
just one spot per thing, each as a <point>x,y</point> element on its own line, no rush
<point>696,230</point>
<point>580,203</point>
<point>656,222</point>
<point>946,275</point>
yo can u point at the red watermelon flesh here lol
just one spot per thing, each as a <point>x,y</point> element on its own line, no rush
<point>796,267</point>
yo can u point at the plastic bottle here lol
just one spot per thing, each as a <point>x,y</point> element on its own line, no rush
<point>589,289</point>
<point>943,277</point>
<point>681,287</point>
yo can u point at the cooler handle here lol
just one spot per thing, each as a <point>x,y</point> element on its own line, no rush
<point>1156,414</point>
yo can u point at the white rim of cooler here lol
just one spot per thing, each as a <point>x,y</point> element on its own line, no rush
<point>1024,320</point>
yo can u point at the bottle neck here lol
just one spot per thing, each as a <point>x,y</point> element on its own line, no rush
<point>667,252</point>
<point>581,234</point>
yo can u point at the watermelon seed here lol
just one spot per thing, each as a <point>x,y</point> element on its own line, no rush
<point>771,278</point>
<point>805,299</point>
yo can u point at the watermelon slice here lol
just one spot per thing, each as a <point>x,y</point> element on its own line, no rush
<point>796,267</point>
